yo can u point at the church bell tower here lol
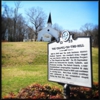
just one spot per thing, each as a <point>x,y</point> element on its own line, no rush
<point>49,20</point>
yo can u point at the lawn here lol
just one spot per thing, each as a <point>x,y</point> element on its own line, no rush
<point>25,63</point>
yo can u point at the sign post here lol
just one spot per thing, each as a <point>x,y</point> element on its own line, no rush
<point>66,91</point>
<point>70,61</point>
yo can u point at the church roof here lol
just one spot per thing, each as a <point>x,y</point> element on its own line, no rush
<point>49,19</point>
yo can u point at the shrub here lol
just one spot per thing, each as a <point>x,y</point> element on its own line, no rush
<point>37,91</point>
<point>84,92</point>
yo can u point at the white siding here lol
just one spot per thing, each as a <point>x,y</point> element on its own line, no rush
<point>47,33</point>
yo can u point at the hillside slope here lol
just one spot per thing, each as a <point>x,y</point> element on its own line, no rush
<point>25,63</point>
<point>23,53</point>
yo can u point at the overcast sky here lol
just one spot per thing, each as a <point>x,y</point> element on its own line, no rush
<point>70,15</point>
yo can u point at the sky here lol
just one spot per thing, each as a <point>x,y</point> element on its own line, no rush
<point>69,15</point>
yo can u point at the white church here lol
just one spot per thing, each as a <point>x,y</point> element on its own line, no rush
<point>48,34</point>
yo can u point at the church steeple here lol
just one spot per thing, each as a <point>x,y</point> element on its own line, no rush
<point>49,20</point>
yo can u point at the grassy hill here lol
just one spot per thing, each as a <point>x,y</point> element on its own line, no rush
<point>25,63</point>
<point>23,53</point>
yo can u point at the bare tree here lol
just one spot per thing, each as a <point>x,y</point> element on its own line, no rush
<point>95,36</point>
<point>76,34</point>
<point>37,18</point>
<point>4,27</point>
<point>7,14</point>
<point>11,15</point>
<point>58,28</point>
<point>16,15</point>
<point>91,30</point>
<point>87,28</point>
<point>20,28</point>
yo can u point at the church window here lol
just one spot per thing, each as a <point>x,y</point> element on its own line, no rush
<point>48,30</point>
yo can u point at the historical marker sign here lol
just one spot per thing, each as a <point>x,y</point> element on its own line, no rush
<point>69,61</point>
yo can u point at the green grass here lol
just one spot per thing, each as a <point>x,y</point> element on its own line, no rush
<point>95,64</point>
<point>25,63</point>
<point>14,78</point>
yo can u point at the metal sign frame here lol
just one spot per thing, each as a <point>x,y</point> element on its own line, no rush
<point>71,40</point>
